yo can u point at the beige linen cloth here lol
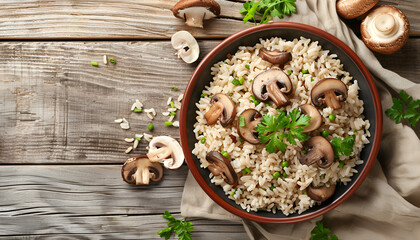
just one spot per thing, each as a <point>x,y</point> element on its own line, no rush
<point>387,205</point>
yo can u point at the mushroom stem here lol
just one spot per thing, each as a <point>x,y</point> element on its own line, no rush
<point>142,177</point>
<point>385,24</point>
<point>276,95</point>
<point>194,19</point>
<point>214,113</point>
<point>159,154</point>
<point>331,99</point>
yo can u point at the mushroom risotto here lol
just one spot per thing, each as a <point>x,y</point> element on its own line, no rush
<point>280,126</point>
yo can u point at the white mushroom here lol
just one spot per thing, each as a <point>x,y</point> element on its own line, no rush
<point>186,45</point>
<point>166,150</point>
<point>195,11</point>
<point>350,9</point>
<point>385,29</point>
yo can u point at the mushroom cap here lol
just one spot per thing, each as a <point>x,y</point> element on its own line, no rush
<point>319,151</point>
<point>252,117</point>
<point>220,165</point>
<point>320,193</point>
<point>329,91</point>
<point>316,118</point>
<point>275,56</point>
<point>222,108</point>
<point>273,84</point>
<point>166,150</point>
<point>350,9</point>
<point>139,170</point>
<point>195,11</point>
<point>186,45</point>
<point>385,29</point>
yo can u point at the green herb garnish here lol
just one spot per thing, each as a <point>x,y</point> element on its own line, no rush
<point>169,123</point>
<point>241,121</point>
<point>172,113</point>
<point>404,107</point>
<point>273,129</point>
<point>225,154</point>
<point>246,66</point>
<point>267,9</point>
<point>112,61</point>
<point>343,147</point>
<point>322,233</point>
<point>174,88</point>
<point>204,95</point>
<point>138,110</point>
<point>181,227</point>
<point>235,82</point>
<point>246,171</point>
<point>241,80</point>
<point>94,63</point>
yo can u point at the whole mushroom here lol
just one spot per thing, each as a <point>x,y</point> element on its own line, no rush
<point>166,150</point>
<point>385,29</point>
<point>320,193</point>
<point>220,165</point>
<point>330,91</point>
<point>350,9</point>
<point>140,170</point>
<point>319,151</point>
<point>316,118</point>
<point>251,119</point>
<point>275,56</point>
<point>222,108</point>
<point>273,84</point>
<point>195,11</point>
<point>186,45</point>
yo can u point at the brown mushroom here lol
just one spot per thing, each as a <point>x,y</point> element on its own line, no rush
<point>320,193</point>
<point>319,151</point>
<point>220,165</point>
<point>222,108</point>
<point>140,170</point>
<point>385,29</point>
<point>195,11</point>
<point>330,91</point>
<point>275,56</point>
<point>251,119</point>
<point>316,119</point>
<point>273,84</point>
<point>166,150</point>
<point>350,9</point>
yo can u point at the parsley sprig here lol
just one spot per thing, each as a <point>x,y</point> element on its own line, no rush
<point>268,9</point>
<point>404,107</point>
<point>274,129</point>
<point>343,147</point>
<point>181,227</point>
<point>322,233</point>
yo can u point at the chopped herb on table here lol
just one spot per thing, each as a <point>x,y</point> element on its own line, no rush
<point>112,61</point>
<point>93,63</point>
<point>274,129</point>
<point>267,9</point>
<point>343,147</point>
<point>181,227</point>
<point>404,107</point>
<point>322,233</point>
<point>174,88</point>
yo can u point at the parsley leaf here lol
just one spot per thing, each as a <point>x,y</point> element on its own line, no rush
<point>343,147</point>
<point>322,233</point>
<point>411,112</point>
<point>181,227</point>
<point>273,129</point>
<point>267,9</point>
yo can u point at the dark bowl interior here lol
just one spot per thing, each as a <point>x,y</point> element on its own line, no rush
<point>249,37</point>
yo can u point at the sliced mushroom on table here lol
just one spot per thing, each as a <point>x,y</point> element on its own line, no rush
<point>316,118</point>
<point>320,193</point>
<point>222,109</point>
<point>196,11</point>
<point>166,150</point>
<point>251,119</point>
<point>186,45</point>
<point>330,91</point>
<point>272,84</point>
<point>275,56</point>
<point>318,151</point>
<point>350,9</point>
<point>385,29</point>
<point>140,170</point>
<point>220,165</point>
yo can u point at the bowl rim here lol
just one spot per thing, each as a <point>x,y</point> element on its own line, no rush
<point>275,25</point>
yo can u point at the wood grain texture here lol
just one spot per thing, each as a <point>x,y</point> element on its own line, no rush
<point>114,19</point>
<point>93,202</point>
<point>57,108</point>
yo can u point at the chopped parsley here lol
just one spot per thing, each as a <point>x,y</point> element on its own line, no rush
<point>343,147</point>
<point>322,233</point>
<point>181,227</point>
<point>267,9</point>
<point>404,107</point>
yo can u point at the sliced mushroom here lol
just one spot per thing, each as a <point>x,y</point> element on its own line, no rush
<point>186,45</point>
<point>222,108</point>
<point>275,56</point>
<point>195,11</point>
<point>251,118</point>
<point>316,119</point>
<point>273,84</point>
<point>140,170</point>
<point>320,193</point>
<point>330,91</point>
<point>385,29</point>
<point>220,165</point>
<point>350,9</point>
<point>166,150</point>
<point>319,151</point>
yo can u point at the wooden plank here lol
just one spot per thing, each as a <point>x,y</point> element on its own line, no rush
<point>48,113</point>
<point>113,19</point>
<point>93,201</point>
